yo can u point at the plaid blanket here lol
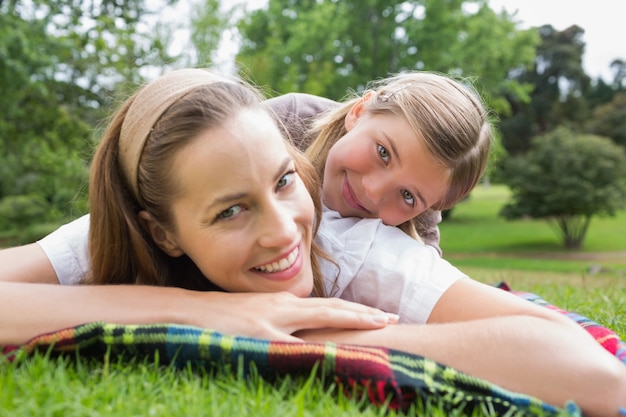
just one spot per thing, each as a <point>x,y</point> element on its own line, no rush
<point>393,378</point>
<point>606,337</point>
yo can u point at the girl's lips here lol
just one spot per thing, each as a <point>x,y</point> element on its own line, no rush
<point>349,197</point>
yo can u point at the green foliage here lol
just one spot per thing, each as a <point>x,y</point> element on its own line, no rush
<point>60,62</point>
<point>331,47</point>
<point>609,120</point>
<point>20,210</point>
<point>209,21</point>
<point>560,89</point>
<point>567,178</point>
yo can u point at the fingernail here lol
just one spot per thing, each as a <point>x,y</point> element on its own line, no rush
<point>393,318</point>
<point>382,319</point>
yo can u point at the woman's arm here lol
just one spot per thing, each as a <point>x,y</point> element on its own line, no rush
<point>27,310</point>
<point>509,341</point>
<point>27,263</point>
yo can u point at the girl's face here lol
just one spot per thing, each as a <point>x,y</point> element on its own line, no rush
<point>380,169</point>
<point>243,215</point>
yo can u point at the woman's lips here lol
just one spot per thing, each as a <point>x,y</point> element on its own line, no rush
<point>284,269</point>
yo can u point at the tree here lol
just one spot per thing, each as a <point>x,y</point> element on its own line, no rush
<point>619,78</point>
<point>210,19</point>
<point>61,62</point>
<point>609,120</point>
<point>560,89</point>
<point>566,178</point>
<point>329,47</point>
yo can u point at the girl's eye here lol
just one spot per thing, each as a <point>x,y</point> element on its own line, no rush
<point>286,179</point>
<point>229,213</point>
<point>408,198</point>
<point>383,153</point>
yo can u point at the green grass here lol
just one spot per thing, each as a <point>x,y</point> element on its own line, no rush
<point>525,254</point>
<point>67,387</point>
<point>475,236</point>
<point>528,255</point>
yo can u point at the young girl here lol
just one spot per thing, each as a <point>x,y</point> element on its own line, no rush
<point>411,145</point>
<point>203,187</point>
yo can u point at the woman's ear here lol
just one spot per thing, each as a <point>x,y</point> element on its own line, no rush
<point>160,236</point>
<point>356,111</point>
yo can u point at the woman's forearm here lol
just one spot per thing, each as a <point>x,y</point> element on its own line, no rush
<point>27,310</point>
<point>531,355</point>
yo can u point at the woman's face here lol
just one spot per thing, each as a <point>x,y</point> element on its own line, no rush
<point>380,169</point>
<point>243,215</point>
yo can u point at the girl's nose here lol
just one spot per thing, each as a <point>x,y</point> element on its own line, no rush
<point>278,226</point>
<point>374,187</point>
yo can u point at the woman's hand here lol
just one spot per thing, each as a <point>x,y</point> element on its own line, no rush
<point>277,316</point>
<point>28,309</point>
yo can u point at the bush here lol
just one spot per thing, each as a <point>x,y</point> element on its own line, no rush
<point>18,211</point>
<point>566,178</point>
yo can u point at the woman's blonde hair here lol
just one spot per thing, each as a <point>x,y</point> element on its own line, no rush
<point>120,249</point>
<point>449,115</point>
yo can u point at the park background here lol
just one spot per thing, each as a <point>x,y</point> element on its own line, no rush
<point>65,65</point>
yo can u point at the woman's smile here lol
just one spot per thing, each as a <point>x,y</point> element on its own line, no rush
<point>282,269</point>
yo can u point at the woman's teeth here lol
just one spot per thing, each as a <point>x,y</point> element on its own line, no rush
<point>280,265</point>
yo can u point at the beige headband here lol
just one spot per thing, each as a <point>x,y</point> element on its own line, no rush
<point>147,108</point>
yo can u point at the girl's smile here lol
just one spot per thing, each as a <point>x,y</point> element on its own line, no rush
<point>350,196</point>
<point>381,169</point>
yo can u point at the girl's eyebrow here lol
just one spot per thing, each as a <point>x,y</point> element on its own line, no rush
<point>392,145</point>
<point>396,155</point>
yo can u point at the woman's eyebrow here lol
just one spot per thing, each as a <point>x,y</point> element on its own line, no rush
<point>283,167</point>
<point>227,198</point>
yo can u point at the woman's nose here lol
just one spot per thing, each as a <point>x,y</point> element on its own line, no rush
<point>278,226</point>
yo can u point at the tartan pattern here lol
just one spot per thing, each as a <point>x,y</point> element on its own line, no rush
<point>396,379</point>
<point>606,337</point>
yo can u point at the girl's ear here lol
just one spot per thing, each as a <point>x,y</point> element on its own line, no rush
<point>160,236</point>
<point>356,111</point>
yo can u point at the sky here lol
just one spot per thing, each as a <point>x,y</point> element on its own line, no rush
<point>602,20</point>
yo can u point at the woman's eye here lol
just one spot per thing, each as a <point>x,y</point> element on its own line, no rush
<point>408,198</point>
<point>229,213</point>
<point>383,153</point>
<point>286,179</point>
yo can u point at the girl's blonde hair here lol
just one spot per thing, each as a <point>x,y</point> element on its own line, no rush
<point>120,249</point>
<point>449,115</point>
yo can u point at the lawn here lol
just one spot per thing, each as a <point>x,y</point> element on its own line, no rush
<point>526,254</point>
<point>476,236</point>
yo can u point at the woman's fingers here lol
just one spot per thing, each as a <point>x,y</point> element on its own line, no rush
<point>336,313</point>
<point>319,313</point>
<point>278,316</point>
